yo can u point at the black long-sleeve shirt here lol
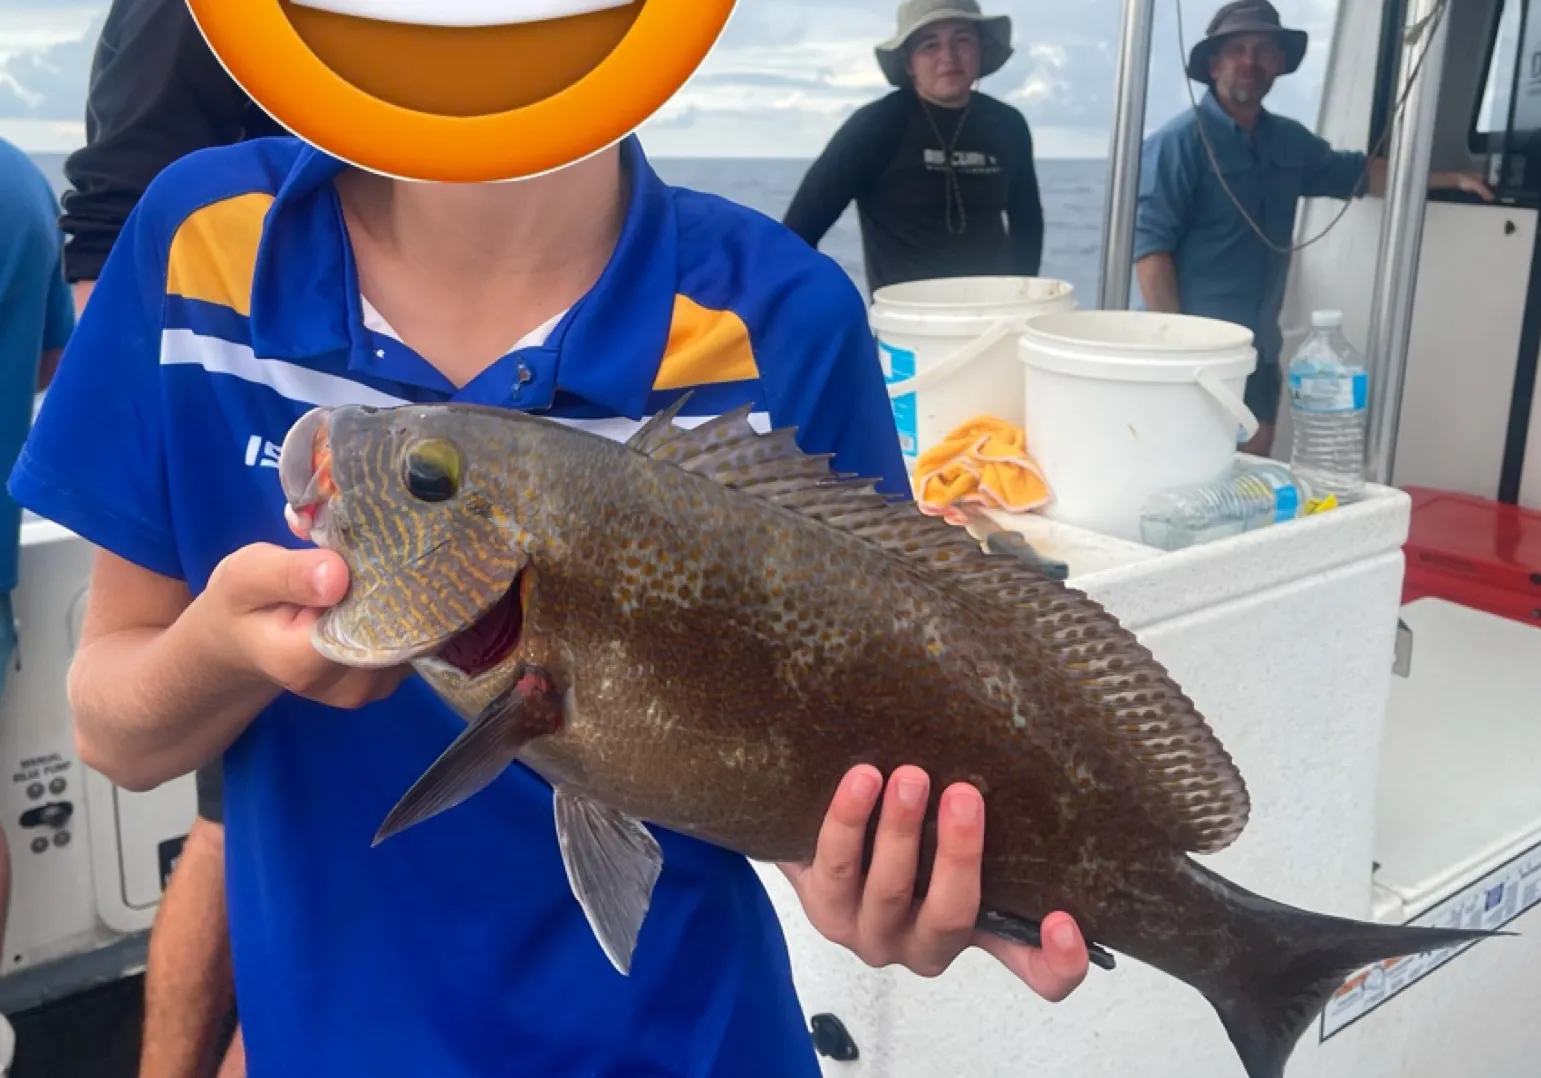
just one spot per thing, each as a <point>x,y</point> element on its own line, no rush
<point>888,158</point>
<point>156,93</point>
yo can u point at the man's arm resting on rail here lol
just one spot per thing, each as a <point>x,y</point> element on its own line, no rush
<point>1439,180</point>
<point>162,683</point>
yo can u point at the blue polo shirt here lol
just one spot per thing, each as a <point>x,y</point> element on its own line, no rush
<point>36,316</point>
<point>1223,270</point>
<point>230,306</point>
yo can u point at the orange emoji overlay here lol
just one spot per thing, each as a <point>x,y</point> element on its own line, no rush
<point>461,90</point>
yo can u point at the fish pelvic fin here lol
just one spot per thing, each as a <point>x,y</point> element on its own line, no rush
<point>1287,964</point>
<point>1187,780</point>
<point>612,863</point>
<point>528,709</point>
<point>1009,926</point>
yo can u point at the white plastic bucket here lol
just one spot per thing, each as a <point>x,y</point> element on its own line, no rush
<point>949,353</point>
<point>1119,405</point>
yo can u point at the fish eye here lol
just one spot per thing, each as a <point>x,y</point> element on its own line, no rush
<point>431,470</point>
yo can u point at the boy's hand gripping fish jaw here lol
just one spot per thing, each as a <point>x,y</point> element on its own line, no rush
<point>478,599</point>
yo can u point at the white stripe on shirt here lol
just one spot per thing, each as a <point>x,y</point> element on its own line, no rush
<point>183,347</point>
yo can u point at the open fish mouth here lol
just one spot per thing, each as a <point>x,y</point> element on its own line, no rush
<point>364,629</point>
<point>493,637</point>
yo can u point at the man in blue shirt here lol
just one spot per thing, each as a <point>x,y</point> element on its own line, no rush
<point>36,317</point>
<point>255,281</point>
<point>1196,250</point>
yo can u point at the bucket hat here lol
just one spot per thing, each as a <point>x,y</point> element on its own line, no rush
<point>1246,17</point>
<point>994,35</point>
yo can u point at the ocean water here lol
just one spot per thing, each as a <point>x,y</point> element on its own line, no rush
<point>1072,192</point>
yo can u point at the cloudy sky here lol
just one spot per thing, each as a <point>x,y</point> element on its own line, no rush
<point>784,75</point>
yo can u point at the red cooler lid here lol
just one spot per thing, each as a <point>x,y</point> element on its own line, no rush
<point>1474,539</point>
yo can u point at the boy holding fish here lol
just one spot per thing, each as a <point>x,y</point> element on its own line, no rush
<point>257,281</point>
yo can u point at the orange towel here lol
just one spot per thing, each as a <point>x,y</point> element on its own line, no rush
<point>985,462</point>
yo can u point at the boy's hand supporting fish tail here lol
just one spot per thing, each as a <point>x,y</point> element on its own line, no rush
<point>875,915</point>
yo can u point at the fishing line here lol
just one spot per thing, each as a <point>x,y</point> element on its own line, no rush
<point>1424,27</point>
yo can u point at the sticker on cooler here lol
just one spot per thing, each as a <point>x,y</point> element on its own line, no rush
<point>1347,392</point>
<point>898,366</point>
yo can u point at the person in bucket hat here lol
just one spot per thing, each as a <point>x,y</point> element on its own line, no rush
<point>1197,246</point>
<point>1247,17</point>
<point>994,32</point>
<point>942,175</point>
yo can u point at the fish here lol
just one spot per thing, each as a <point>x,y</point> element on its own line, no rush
<point>703,628</point>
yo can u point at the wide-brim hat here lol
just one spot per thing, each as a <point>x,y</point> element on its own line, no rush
<point>914,15</point>
<point>1246,17</point>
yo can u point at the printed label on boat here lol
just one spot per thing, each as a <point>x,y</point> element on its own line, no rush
<point>1489,903</point>
<point>1346,392</point>
<point>899,366</point>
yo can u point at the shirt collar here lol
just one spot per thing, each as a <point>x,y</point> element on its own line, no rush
<point>1234,137</point>
<point>606,349</point>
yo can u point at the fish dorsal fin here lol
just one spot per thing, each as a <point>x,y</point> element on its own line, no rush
<point>651,436</point>
<point>1195,786</point>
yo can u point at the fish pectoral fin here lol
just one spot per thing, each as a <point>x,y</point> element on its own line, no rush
<point>528,709</point>
<point>612,863</point>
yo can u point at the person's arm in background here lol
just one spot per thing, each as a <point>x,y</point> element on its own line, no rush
<point>855,156</point>
<point>1024,207</point>
<point>1342,174</point>
<point>1157,274</point>
<point>59,324</point>
<point>156,93</point>
<point>1161,220</point>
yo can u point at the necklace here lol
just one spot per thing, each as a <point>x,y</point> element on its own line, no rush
<point>953,191</point>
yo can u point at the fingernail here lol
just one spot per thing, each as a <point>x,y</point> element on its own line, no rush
<point>865,785</point>
<point>1064,934</point>
<point>319,578</point>
<point>912,791</point>
<point>965,807</point>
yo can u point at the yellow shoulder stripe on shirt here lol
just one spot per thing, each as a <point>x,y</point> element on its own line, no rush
<point>214,253</point>
<point>705,347</point>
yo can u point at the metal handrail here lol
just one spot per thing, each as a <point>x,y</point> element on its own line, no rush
<point>1401,245</point>
<point>1124,153</point>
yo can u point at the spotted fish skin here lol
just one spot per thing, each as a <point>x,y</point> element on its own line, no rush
<point>732,627</point>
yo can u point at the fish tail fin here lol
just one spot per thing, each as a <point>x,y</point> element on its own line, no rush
<point>1276,983</point>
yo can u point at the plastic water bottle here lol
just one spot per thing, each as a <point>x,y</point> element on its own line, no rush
<point>1246,499</point>
<point>1329,398</point>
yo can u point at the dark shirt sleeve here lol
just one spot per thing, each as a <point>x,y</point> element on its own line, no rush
<point>1024,206</point>
<point>854,158</point>
<point>156,93</point>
